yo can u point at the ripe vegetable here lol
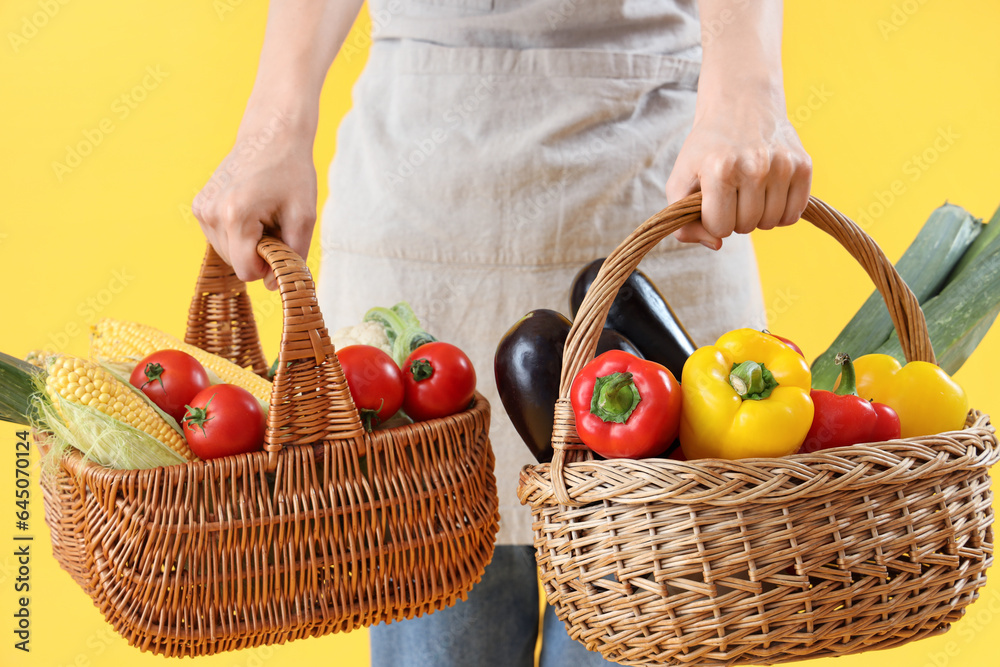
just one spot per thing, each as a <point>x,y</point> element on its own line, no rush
<point>439,380</point>
<point>527,366</point>
<point>926,399</point>
<point>120,341</point>
<point>99,435</point>
<point>843,418</point>
<point>170,378</point>
<point>640,313</point>
<point>402,328</point>
<point>365,333</point>
<point>924,266</point>
<point>18,381</point>
<point>959,316</point>
<point>375,381</point>
<point>626,407</point>
<point>85,383</point>
<point>223,420</point>
<point>745,396</point>
<point>786,342</point>
<point>887,426</point>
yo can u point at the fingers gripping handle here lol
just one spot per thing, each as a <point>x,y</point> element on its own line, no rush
<point>310,400</point>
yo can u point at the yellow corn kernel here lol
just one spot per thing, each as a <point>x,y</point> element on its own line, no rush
<point>120,341</point>
<point>120,401</point>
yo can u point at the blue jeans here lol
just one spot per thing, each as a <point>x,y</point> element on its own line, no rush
<point>497,626</point>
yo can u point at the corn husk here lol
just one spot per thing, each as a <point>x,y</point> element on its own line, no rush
<point>101,438</point>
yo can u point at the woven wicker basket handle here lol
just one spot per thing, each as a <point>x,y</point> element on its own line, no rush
<point>310,401</point>
<point>220,319</point>
<point>582,341</point>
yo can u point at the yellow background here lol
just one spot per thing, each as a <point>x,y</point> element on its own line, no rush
<point>870,85</point>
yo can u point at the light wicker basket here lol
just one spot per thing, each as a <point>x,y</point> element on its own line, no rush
<point>329,529</point>
<point>760,561</point>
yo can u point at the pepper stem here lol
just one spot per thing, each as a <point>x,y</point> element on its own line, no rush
<point>615,397</point>
<point>752,381</point>
<point>848,379</point>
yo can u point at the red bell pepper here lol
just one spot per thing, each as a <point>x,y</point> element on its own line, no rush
<point>626,407</point>
<point>843,418</point>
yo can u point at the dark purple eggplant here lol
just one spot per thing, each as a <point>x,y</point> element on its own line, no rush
<point>527,366</point>
<point>641,314</point>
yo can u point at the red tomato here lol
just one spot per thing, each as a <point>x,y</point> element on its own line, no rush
<point>222,420</point>
<point>375,381</point>
<point>439,380</point>
<point>170,378</point>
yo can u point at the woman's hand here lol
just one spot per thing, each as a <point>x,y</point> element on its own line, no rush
<point>267,181</point>
<point>750,166</point>
<point>742,152</point>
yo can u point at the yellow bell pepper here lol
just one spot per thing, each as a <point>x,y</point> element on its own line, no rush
<point>746,396</point>
<point>926,399</point>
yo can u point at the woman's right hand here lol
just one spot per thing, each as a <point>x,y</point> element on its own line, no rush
<point>267,182</point>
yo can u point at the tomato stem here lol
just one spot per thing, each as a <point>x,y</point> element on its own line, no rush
<point>421,369</point>
<point>153,372</point>
<point>198,416</point>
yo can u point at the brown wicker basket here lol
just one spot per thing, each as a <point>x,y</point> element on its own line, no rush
<point>760,561</point>
<point>329,529</point>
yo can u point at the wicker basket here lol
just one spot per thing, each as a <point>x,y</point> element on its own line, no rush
<point>328,529</point>
<point>760,561</point>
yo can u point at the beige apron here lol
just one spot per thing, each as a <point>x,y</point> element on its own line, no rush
<point>484,162</point>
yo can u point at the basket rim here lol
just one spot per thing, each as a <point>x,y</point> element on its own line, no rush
<point>79,465</point>
<point>765,481</point>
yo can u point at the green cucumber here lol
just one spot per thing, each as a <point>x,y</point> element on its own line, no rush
<point>925,266</point>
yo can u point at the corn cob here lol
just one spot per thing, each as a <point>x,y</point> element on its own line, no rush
<point>38,358</point>
<point>118,341</point>
<point>85,383</point>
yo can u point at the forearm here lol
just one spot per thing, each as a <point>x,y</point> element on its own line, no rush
<point>302,38</point>
<point>741,41</point>
<point>742,153</point>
